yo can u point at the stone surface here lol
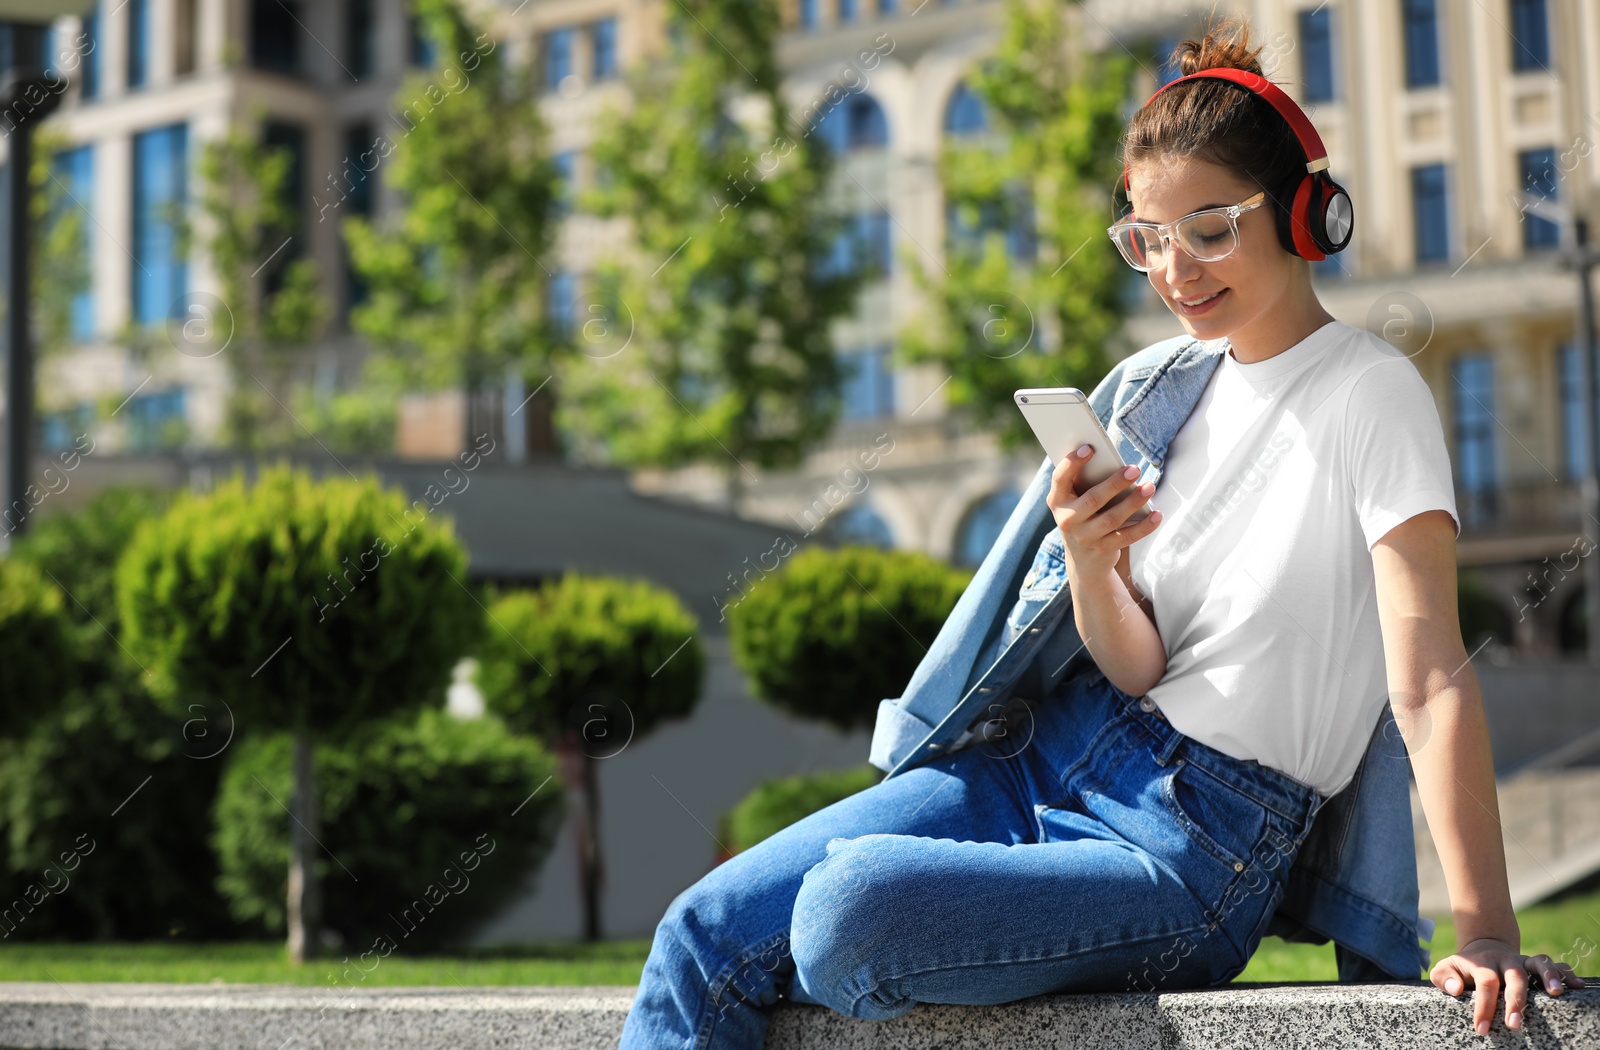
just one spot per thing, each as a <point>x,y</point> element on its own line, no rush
<point>263,1017</point>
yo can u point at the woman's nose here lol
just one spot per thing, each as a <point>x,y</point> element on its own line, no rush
<point>1179,267</point>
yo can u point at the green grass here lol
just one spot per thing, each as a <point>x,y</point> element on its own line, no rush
<point>256,962</point>
<point>1567,929</point>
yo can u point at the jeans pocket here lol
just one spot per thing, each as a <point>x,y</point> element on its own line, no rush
<point>1222,821</point>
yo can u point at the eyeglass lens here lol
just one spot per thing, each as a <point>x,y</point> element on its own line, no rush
<point>1205,237</point>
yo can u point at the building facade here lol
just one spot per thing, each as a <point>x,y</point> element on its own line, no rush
<point>1444,120</point>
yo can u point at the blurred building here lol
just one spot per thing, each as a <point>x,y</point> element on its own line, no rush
<point>1437,115</point>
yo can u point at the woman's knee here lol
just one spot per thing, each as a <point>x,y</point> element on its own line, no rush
<point>844,926</point>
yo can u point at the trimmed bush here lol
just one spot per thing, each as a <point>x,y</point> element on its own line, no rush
<point>417,817</point>
<point>303,605</point>
<point>150,872</point>
<point>775,804</point>
<point>37,657</point>
<point>589,664</point>
<point>832,633</point>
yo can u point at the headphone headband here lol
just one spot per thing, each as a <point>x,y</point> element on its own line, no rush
<point>1320,219</point>
<point>1299,123</point>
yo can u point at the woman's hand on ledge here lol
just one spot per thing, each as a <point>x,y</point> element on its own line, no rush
<point>1488,965</point>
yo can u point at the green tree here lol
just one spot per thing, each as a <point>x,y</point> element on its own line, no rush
<point>252,220</point>
<point>731,360</point>
<point>588,665</point>
<point>310,607</point>
<point>440,820</point>
<point>833,632</point>
<point>1036,315</point>
<point>456,284</point>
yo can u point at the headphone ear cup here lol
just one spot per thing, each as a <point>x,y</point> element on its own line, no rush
<point>1336,216</point>
<point>1305,210</point>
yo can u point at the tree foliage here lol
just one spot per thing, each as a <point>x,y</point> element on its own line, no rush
<point>362,591</point>
<point>36,652</point>
<point>998,319</point>
<point>554,652</point>
<point>833,632</point>
<point>251,221</point>
<point>459,275</point>
<point>714,337</point>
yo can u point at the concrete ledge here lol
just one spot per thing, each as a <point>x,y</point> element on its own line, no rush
<point>269,1017</point>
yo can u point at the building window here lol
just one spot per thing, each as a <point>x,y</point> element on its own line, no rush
<point>75,169</point>
<point>155,420</point>
<point>1575,442</point>
<point>360,196</point>
<point>1530,36</point>
<point>859,525</point>
<point>138,43</point>
<point>561,293</point>
<point>603,49</point>
<point>1316,54</point>
<point>90,54</point>
<point>982,526</point>
<point>421,51</point>
<point>1420,19</point>
<point>1011,216</point>
<point>854,123</point>
<point>359,27</point>
<point>965,113</point>
<point>557,57</point>
<point>275,36</point>
<point>863,247</point>
<point>160,178</point>
<point>1476,473</point>
<point>1430,206</point>
<point>887,7</point>
<point>566,187</point>
<point>808,14</point>
<point>868,391</point>
<point>1538,167</point>
<point>847,10</point>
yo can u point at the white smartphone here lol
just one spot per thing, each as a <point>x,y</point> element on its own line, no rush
<point>1062,420</point>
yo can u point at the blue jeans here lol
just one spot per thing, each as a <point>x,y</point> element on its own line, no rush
<point>1082,844</point>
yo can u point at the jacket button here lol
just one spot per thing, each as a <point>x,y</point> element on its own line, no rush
<point>1237,866</point>
<point>1035,630</point>
<point>933,747</point>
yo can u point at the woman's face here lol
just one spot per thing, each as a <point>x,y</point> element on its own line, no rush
<point>1258,276</point>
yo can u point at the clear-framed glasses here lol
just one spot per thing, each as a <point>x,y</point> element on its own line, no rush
<point>1204,236</point>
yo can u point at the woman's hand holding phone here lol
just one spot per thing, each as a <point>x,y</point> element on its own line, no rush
<point>1093,528</point>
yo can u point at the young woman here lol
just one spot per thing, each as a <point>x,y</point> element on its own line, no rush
<point>1298,569</point>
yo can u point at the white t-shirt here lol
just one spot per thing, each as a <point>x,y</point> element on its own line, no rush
<point>1274,491</point>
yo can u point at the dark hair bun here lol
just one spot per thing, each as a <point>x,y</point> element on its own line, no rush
<point>1225,45</point>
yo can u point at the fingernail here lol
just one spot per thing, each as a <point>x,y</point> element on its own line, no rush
<point>1555,985</point>
<point>1084,450</point>
<point>1513,1020</point>
<point>1483,1028</point>
<point>1453,986</point>
<point>1131,472</point>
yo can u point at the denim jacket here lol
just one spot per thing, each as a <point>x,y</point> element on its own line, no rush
<point>1354,880</point>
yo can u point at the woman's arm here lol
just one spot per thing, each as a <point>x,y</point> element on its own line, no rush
<point>1439,709</point>
<point>1127,649</point>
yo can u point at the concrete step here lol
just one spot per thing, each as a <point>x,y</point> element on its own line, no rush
<point>274,1017</point>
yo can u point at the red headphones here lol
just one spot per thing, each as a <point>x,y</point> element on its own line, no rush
<point>1321,219</point>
